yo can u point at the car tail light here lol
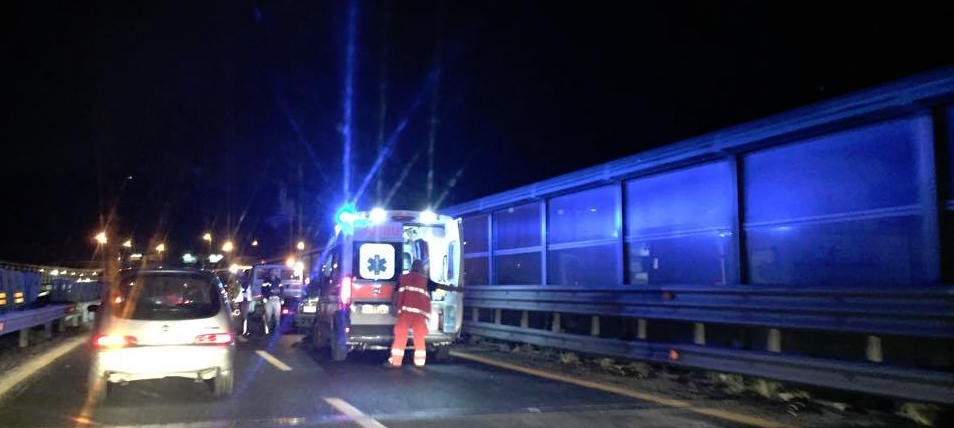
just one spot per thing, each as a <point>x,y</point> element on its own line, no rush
<point>285,311</point>
<point>114,341</point>
<point>346,290</point>
<point>214,339</point>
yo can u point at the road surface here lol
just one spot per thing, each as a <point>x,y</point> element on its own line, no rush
<point>281,383</point>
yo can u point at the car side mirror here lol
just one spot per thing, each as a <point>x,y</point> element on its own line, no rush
<point>92,308</point>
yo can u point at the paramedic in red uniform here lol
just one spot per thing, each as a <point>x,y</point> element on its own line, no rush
<point>413,305</point>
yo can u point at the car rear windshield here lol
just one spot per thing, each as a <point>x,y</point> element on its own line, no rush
<point>173,296</point>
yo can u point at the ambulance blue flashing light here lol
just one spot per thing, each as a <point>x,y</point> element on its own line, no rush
<point>345,218</point>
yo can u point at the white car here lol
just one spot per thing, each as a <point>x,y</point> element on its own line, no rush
<point>163,323</point>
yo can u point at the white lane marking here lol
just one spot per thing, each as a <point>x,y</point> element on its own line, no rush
<point>353,413</point>
<point>274,361</point>
<point>19,374</point>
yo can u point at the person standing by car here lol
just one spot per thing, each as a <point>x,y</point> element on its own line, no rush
<point>413,305</point>
<point>272,296</point>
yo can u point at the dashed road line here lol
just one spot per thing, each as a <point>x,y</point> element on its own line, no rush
<point>353,413</point>
<point>644,396</point>
<point>273,361</point>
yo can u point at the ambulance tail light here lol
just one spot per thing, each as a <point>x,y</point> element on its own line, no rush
<point>345,292</point>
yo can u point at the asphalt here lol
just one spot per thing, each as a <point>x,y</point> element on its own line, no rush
<point>452,393</point>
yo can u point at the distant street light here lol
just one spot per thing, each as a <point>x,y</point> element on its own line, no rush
<point>301,245</point>
<point>227,247</point>
<point>100,238</point>
<point>160,248</point>
<point>255,243</point>
<point>128,243</point>
<point>207,237</point>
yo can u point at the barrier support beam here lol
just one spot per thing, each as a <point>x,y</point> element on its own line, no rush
<point>873,352</point>
<point>774,342</point>
<point>699,334</point>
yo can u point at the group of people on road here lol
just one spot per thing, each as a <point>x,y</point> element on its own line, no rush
<point>411,299</point>
<point>271,299</point>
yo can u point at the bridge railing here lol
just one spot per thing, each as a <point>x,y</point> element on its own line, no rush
<point>908,316</point>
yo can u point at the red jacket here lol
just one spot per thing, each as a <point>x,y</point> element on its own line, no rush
<point>412,295</point>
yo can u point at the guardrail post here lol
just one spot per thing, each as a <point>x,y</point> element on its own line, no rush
<point>873,353</point>
<point>699,334</point>
<point>556,322</point>
<point>24,338</point>
<point>498,316</point>
<point>595,325</point>
<point>641,328</point>
<point>774,340</point>
<point>525,319</point>
<point>475,314</point>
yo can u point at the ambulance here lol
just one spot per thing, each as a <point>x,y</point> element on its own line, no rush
<point>356,277</point>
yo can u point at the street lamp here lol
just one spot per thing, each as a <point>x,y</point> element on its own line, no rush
<point>255,243</point>
<point>127,244</point>
<point>100,238</point>
<point>227,247</point>
<point>207,237</point>
<point>300,246</point>
<point>160,248</point>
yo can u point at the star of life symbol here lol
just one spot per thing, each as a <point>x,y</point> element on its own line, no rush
<point>377,261</point>
<point>377,265</point>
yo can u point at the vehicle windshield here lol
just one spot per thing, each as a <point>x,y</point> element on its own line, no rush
<point>166,297</point>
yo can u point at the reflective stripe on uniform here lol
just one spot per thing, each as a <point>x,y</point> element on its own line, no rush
<point>414,289</point>
<point>420,356</point>
<point>397,352</point>
<point>415,311</point>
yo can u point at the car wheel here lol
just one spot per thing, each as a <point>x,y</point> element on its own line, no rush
<point>223,383</point>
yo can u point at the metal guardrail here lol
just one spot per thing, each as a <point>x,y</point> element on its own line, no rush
<point>920,385</point>
<point>907,311</point>
<point>910,312</point>
<point>22,321</point>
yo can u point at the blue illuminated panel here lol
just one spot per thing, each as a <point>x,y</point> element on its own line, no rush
<point>475,271</point>
<point>947,200</point>
<point>948,194</point>
<point>584,216</point>
<point>583,238</point>
<point>517,227</point>
<point>860,169</point>
<point>592,266</point>
<point>474,229</point>
<point>680,227</point>
<point>691,259</point>
<point>518,269</point>
<point>842,209</point>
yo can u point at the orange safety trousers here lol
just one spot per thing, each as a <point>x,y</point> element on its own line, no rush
<point>418,323</point>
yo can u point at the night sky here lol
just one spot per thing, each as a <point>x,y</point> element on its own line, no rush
<point>228,116</point>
